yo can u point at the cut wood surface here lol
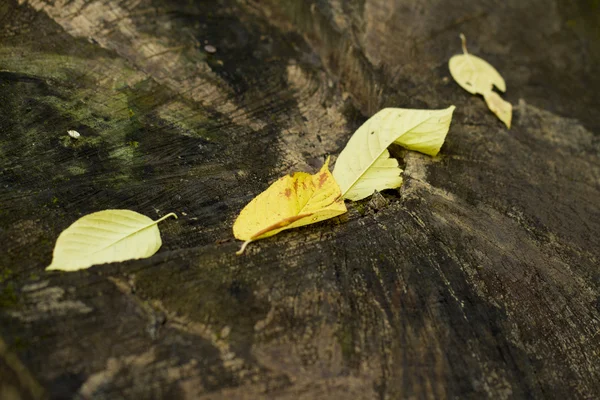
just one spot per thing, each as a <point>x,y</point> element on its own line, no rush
<point>478,278</point>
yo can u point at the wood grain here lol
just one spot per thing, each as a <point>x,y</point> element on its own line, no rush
<point>479,279</point>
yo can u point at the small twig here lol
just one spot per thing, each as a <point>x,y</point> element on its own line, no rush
<point>463,39</point>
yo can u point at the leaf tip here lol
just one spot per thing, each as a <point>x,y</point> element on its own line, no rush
<point>499,106</point>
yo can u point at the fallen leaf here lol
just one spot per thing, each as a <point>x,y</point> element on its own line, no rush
<point>292,201</point>
<point>104,237</point>
<point>500,107</point>
<point>474,74</point>
<point>477,76</point>
<point>365,164</point>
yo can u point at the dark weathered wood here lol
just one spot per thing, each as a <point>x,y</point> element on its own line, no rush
<point>480,279</point>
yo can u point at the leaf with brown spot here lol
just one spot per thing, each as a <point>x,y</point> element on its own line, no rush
<point>290,202</point>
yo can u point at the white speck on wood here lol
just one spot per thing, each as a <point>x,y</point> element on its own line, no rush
<point>74,134</point>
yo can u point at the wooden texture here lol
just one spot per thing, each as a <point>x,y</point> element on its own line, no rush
<point>478,279</point>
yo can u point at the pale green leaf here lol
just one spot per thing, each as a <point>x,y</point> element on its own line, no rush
<point>427,137</point>
<point>477,76</point>
<point>104,237</point>
<point>474,74</point>
<point>499,106</point>
<point>365,164</point>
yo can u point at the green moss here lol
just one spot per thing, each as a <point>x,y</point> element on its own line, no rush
<point>61,67</point>
<point>8,296</point>
<point>188,120</point>
<point>113,113</point>
<point>67,141</point>
<point>360,207</point>
<point>76,169</point>
<point>5,273</point>
<point>124,154</point>
<point>19,344</point>
<point>103,110</point>
<point>345,339</point>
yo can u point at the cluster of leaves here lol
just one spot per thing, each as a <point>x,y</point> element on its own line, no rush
<point>363,167</point>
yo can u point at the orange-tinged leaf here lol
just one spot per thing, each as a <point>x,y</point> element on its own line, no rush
<point>292,201</point>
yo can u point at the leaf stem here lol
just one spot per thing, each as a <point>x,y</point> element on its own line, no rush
<point>463,39</point>
<point>241,250</point>
<point>165,217</point>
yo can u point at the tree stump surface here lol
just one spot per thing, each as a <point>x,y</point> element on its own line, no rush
<point>479,279</point>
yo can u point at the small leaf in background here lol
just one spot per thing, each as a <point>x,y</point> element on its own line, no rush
<point>477,76</point>
<point>365,164</point>
<point>290,202</point>
<point>104,237</point>
<point>498,106</point>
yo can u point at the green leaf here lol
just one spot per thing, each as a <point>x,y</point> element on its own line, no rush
<point>104,237</point>
<point>365,164</point>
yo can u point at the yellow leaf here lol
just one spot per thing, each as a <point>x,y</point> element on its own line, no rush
<point>498,106</point>
<point>474,74</point>
<point>104,237</point>
<point>477,76</point>
<point>365,164</point>
<point>290,202</point>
